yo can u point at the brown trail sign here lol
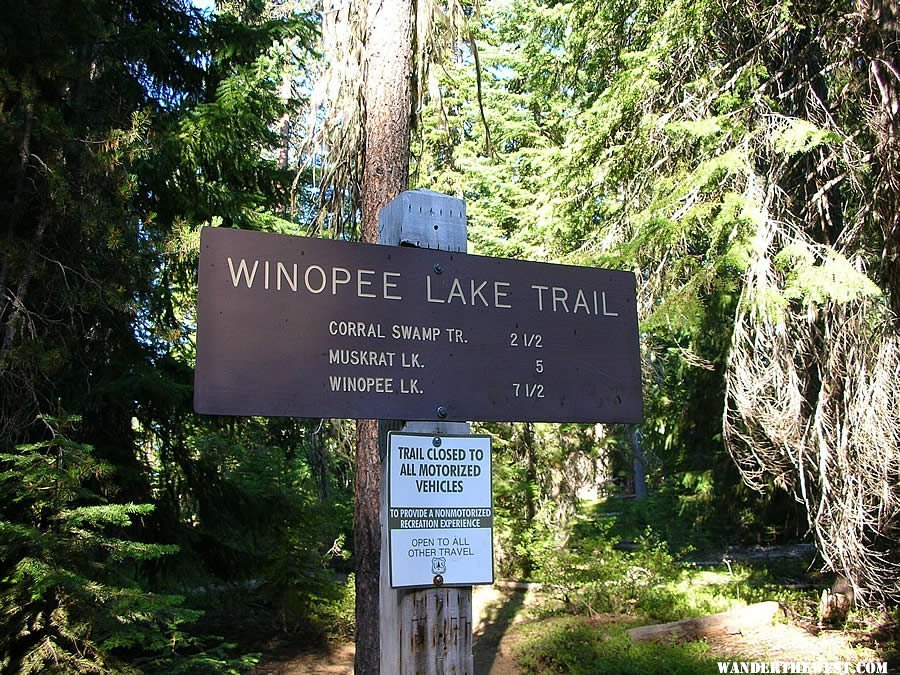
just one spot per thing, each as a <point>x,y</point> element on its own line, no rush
<point>320,328</point>
<point>317,328</point>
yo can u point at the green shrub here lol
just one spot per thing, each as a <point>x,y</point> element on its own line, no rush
<point>592,576</point>
<point>576,647</point>
<point>339,615</point>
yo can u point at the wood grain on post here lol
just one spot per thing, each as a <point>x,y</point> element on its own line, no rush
<point>425,630</point>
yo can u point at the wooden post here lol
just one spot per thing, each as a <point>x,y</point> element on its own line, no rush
<point>422,631</point>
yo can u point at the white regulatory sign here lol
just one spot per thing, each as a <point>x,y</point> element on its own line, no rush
<point>440,511</point>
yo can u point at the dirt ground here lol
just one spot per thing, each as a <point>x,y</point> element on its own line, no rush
<point>495,610</point>
<point>788,642</point>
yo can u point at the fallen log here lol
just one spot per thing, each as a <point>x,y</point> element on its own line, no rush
<point>727,623</point>
<point>517,585</point>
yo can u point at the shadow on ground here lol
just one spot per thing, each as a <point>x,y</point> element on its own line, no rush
<point>496,618</point>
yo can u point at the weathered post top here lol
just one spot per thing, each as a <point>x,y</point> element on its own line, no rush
<point>424,219</point>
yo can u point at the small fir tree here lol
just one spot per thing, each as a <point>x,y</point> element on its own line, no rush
<point>69,597</point>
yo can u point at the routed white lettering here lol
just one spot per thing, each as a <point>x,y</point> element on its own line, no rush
<point>335,280</point>
<point>323,278</point>
<point>476,293</point>
<point>581,301</point>
<point>242,271</point>
<point>291,280</point>
<point>456,291</point>
<point>560,295</point>
<point>540,290</point>
<point>388,284</point>
<point>360,282</point>
<point>605,312</point>
<point>560,299</point>
<point>379,385</point>
<point>427,287</point>
<point>316,279</point>
<point>501,294</point>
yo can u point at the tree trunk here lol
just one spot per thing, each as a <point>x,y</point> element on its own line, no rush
<point>6,301</point>
<point>16,314</point>
<point>876,40</point>
<point>388,97</point>
<point>367,545</point>
<point>528,441</point>
<point>637,463</point>
<point>388,103</point>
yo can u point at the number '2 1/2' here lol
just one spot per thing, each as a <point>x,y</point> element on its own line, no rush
<point>534,340</point>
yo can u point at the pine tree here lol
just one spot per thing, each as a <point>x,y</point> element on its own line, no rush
<point>69,597</point>
<point>126,127</point>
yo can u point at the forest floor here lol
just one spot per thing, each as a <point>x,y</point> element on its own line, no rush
<point>494,610</point>
<point>498,610</point>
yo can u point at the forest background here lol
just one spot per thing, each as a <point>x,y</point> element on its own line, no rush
<point>740,158</point>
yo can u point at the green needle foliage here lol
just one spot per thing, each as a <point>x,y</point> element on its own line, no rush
<point>741,160</point>
<point>70,597</point>
<point>125,126</point>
